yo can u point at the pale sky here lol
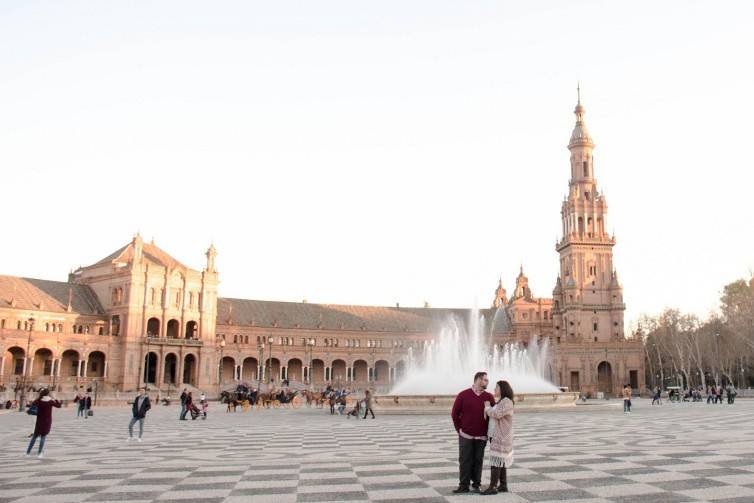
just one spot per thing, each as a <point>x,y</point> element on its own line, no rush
<point>381,152</point>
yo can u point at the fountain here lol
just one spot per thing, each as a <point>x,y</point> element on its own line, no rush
<point>447,364</point>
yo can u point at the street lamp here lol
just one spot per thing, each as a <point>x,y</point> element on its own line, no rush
<point>310,349</point>
<point>269,375</point>
<point>22,400</point>
<point>220,369</point>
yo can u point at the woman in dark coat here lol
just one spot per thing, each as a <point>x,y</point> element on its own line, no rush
<point>44,405</point>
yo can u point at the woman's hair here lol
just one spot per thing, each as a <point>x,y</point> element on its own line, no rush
<point>506,391</point>
<point>44,392</point>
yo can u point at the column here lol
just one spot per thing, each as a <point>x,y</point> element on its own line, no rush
<point>104,371</point>
<point>52,369</point>
<point>84,368</point>
<point>78,371</point>
<point>240,372</point>
<point>2,367</point>
<point>390,377</point>
<point>60,365</point>
<point>179,370</point>
<point>284,373</point>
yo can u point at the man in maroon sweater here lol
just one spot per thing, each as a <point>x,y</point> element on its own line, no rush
<point>471,425</point>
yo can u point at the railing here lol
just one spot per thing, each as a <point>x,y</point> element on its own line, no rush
<point>169,341</point>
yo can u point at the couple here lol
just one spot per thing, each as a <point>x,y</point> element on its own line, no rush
<point>477,419</point>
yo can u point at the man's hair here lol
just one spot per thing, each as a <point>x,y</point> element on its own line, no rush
<point>479,375</point>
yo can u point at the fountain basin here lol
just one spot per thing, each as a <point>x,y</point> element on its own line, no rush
<point>441,404</point>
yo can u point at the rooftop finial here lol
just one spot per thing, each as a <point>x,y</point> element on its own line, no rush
<point>578,92</point>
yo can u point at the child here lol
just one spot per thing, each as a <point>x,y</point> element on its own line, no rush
<point>355,411</point>
<point>205,408</point>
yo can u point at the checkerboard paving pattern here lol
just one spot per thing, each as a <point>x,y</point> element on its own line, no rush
<point>595,453</point>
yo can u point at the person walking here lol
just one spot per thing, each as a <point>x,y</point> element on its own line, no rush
<point>139,410</point>
<point>187,405</point>
<point>368,404</point>
<point>78,400</point>
<point>500,433</point>
<point>87,401</point>
<point>471,425</point>
<point>181,414</point>
<point>657,396</point>
<point>627,392</point>
<point>43,404</point>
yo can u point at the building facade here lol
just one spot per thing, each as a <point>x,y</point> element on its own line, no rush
<point>139,315</point>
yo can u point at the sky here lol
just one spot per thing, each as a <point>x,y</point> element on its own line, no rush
<point>378,152</point>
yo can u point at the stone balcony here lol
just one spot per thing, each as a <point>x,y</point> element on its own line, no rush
<point>170,341</point>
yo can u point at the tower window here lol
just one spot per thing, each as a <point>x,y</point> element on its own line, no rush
<point>595,339</point>
<point>586,168</point>
<point>594,326</point>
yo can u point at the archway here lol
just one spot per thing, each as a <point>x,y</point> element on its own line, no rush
<point>318,371</point>
<point>382,372</point>
<point>42,364</point>
<point>191,330</point>
<point>604,377</point>
<point>295,370</point>
<point>338,373</point>
<point>189,369</point>
<point>150,368</point>
<point>400,371</point>
<point>69,364</point>
<point>14,363</point>
<point>153,327</point>
<point>173,329</point>
<point>228,367</point>
<point>360,371</point>
<point>272,374</point>
<point>171,369</point>
<point>95,365</point>
<point>250,368</point>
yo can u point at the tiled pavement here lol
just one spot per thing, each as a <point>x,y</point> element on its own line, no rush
<point>673,453</point>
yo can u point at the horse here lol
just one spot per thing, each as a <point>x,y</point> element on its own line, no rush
<point>317,398</point>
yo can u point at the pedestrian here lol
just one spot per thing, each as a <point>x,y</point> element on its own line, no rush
<point>43,405</point>
<point>202,397</point>
<point>187,405</point>
<point>139,410</point>
<point>87,400</point>
<point>205,408</point>
<point>657,396</point>
<point>500,433</point>
<point>471,425</point>
<point>719,395</point>
<point>181,414</point>
<point>81,400</point>
<point>627,391</point>
<point>368,404</point>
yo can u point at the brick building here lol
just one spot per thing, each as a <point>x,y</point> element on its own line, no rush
<point>139,315</point>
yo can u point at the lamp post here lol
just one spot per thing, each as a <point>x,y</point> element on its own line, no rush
<point>220,369</point>
<point>310,349</point>
<point>269,374</point>
<point>30,363</point>
<point>260,364</point>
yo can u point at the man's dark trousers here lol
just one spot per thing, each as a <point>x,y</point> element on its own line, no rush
<point>470,460</point>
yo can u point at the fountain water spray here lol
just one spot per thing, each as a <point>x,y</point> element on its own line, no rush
<point>448,363</point>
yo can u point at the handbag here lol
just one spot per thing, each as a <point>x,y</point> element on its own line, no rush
<point>32,411</point>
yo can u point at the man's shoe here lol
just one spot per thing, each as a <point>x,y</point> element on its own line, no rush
<point>488,491</point>
<point>460,490</point>
<point>475,489</point>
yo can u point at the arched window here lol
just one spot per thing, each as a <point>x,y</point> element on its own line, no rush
<point>586,169</point>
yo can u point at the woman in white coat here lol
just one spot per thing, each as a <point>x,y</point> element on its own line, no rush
<point>500,434</point>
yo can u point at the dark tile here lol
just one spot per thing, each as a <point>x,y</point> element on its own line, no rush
<point>651,498</point>
<point>555,495</point>
<point>598,482</point>
<point>327,482</point>
<point>684,485</point>
<point>345,495</point>
<point>251,491</point>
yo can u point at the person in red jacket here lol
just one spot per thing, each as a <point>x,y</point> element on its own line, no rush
<point>471,424</point>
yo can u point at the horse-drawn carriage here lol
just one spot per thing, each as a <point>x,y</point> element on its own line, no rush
<point>247,399</point>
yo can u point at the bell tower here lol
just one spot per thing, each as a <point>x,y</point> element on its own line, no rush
<point>587,299</point>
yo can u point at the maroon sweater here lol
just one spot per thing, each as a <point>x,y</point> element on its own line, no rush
<point>468,412</point>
